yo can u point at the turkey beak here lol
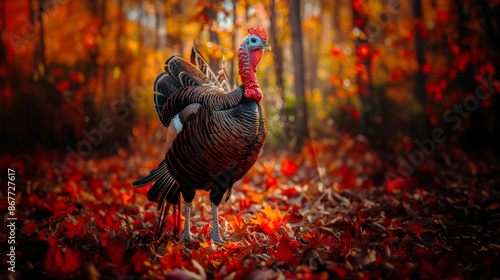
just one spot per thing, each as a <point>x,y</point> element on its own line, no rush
<point>266,46</point>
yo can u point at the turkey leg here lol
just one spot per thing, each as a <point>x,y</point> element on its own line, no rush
<point>215,233</point>
<point>186,232</point>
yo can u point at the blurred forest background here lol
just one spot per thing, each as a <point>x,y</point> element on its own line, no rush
<point>386,69</point>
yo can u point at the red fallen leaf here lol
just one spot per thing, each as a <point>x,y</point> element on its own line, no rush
<point>431,270</point>
<point>245,203</point>
<point>76,230</point>
<point>109,222</point>
<point>346,237</point>
<point>238,266</point>
<point>139,258</point>
<point>116,253</point>
<point>317,240</point>
<point>104,238</point>
<point>173,257</point>
<point>63,85</point>
<point>348,177</point>
<point>126,196</point>
<point>95,184</point>
<point>492,207</point>
<point>312,150</point>
<point>30,227</point>
<point>270,182</point>
<point>59,265</point>
<point>396,184</point>
<point>72,188</point>
<point>288,168</point>
<point>343,171</point>
<point>289,192</point>
<point>285,250</point>
<point>418,229</point>
<point>42,236</point>
<point>400,251</point>
<point>60,209</point>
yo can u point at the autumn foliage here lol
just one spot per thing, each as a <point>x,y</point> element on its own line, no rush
<point>349,223</point>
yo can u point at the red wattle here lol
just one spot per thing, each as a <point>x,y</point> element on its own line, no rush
<point>256,57</point>
<point>258,96</point>
<point>247,64</point>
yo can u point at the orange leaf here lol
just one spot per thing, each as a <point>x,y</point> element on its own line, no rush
<point>271,221</point>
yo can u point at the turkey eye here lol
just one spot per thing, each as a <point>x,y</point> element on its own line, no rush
<point>253,40</point>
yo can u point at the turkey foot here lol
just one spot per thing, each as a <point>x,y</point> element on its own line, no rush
<point>186,236</point>
<point>186,232</point>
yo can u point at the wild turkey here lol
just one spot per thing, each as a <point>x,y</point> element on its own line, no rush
<point>215,133</point>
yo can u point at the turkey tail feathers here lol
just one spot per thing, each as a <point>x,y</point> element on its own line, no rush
<point>223,78</point>
<point>165,187</point>
<point>152,176</point>
<point>178,73</point>
<point>220,80</point>
<point>164,85</point>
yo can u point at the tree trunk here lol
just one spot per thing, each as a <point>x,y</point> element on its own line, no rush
<point>42,36</point>
<point>4,16</point>
<point>278,69</point>
<point>180,12</point>
<point>421,123</point>
<point>364,89</point>
<point>214,37</point>
<point>491,24</point>
<point>298,54</point>
<point>232,76</point>
<point>336,18</point>
<point>157,25</point>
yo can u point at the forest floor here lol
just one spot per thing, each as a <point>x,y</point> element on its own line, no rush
<point>329,213</point>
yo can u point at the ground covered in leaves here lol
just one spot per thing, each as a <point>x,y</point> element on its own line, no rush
<point>329,213</point>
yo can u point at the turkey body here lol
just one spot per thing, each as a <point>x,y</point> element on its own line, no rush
<point>214,133</point>
<point>215,148</point>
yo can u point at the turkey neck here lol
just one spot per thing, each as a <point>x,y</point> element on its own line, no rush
<point>247,64</point>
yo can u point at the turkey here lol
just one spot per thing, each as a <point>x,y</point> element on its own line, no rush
<point>214,132</point>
